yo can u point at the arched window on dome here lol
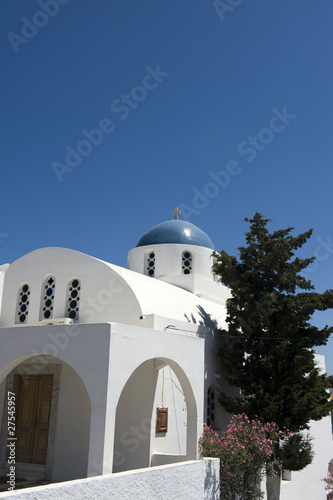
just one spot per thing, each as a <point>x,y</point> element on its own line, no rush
<point>47,300</point>
<point>187,262</point>
<point>23,301</point>
<point>150,263</point>
<point>73,299</point>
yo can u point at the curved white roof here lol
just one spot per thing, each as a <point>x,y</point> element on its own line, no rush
<point>109,293</point>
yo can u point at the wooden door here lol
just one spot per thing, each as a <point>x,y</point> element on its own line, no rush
<point>33,417</point>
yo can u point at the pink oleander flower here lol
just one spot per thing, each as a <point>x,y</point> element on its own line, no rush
<point>244,450</point>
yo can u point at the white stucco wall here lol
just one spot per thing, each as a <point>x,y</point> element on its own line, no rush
<point>105,366</point>
<point>168,259</point>
<point>195,480</point>
<point>72,428</point>
<point>132,347</point>
<point>109,293</point>
<point>105,295</point>
<point>307,482</point>
<point>169,394</point>
<point>168,268</point>
<point>84,348</point>
<point>134,418</point>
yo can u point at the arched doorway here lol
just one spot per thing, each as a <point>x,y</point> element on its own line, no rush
<point>156,383</point>
<point>52,418</point>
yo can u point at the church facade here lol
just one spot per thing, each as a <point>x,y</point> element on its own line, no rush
<point>113,369</point>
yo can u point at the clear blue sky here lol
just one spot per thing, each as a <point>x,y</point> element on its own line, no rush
<point>223,111</point>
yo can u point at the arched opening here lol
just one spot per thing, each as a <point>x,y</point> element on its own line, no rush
<point>156,384</point>
<point>52,417</point>
<point>214,411</point>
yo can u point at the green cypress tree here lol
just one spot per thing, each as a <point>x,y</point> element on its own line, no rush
<point>268,347</point>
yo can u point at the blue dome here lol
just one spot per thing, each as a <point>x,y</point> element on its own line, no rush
<point>176,231</point>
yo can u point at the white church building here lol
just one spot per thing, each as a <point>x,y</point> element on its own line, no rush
<point>115,369</point>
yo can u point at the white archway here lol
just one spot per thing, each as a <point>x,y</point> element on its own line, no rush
<point>135,440</point>
<point>69,415</point>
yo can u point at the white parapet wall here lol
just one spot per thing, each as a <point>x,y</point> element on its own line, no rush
<point>194,480</point>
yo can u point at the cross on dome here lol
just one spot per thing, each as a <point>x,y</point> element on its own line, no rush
<point>176,212</point>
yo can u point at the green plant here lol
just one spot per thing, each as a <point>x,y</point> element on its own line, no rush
<point>296,452</point>
<point>246,452</point>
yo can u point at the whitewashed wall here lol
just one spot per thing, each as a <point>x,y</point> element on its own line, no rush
<point>306,484</point>
<point>194,480</point>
